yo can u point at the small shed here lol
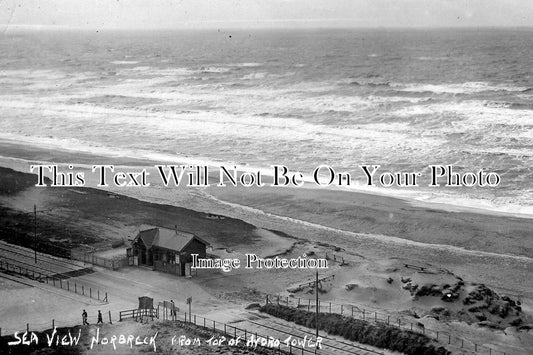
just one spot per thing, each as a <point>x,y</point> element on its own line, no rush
<point>165,249</point>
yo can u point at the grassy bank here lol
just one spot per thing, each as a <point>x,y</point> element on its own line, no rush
<point>379,335</point>
<point>83,216</point>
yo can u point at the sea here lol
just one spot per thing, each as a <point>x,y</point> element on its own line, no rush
<point>401,99</point>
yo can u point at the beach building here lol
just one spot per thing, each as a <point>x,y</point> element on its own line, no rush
<point>167,250</point>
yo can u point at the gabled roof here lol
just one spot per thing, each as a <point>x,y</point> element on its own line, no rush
<point>172,239</point>
<point>147,237</point>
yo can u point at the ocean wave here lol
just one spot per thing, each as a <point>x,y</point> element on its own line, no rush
<point>432,58</point>
<point>246,65</point>
<point>154,71</point>
<point>456,88</point>
<point>472,114</point>
<point>214,70</point>
<point>513,105</point>
<point>124,62</point>
<point>254,76</point>
<point>369,84</point>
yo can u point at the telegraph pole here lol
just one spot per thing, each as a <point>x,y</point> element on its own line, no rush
<point>35,232</point>
<point>317,305</point>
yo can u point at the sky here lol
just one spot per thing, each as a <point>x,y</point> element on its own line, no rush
<point>164,14</point>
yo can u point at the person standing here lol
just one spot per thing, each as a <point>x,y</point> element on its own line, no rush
<point>99,318</point>
<point>173,310</point>
<point>84,317</point>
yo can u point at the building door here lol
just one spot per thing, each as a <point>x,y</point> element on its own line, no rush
<point>150,255</point>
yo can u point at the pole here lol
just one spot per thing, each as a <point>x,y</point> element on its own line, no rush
<point>35,232</point>
<point>316,299</point>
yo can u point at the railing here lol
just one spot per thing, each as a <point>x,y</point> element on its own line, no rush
<point>74,287</point>
<point>249,338</point>
<point>138,314</point>
<point>91,319</point>
<point>370,315</point>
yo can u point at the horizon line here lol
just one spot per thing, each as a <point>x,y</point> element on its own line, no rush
<point>36,27</point>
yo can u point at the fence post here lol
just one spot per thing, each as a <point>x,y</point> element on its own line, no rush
<point>75,287</point>
<point>341,309</point>
<point>376,317</point>
<point>330,307</point>
<point>388,320</point>
<point>68,286</point>
<point>90,292</point>
<point>309,305</point>
<point>110,321</point>
<point>28,327</point>
<point>399,321</point>
<point>363,314</point>
<point>287,301</point>
<point>53,323</point>
<point>437,335</point>
<point>54,281</point>
<point>266,299</point>
<point>83,289</point>
<point>298,302</point>
<point>61,283</point>
<point>352,311</point>
<point>449,339</point>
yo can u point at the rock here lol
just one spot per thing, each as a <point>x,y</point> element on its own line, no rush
<point>480,316</point>
<point>491,325</point>
<point>350,287</point>
<point>253,306</point>
<point>449,296</point>
<point>526,326</point>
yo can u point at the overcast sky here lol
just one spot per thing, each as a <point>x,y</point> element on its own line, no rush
<point>152,14</point>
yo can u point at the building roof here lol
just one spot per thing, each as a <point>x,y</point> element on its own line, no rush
<point>172,239</point>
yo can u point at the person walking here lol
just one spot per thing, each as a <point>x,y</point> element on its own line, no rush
<point>99,318</point>
<point>84,317</point>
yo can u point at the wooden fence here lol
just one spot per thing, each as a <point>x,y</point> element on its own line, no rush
<point>88,257</point>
